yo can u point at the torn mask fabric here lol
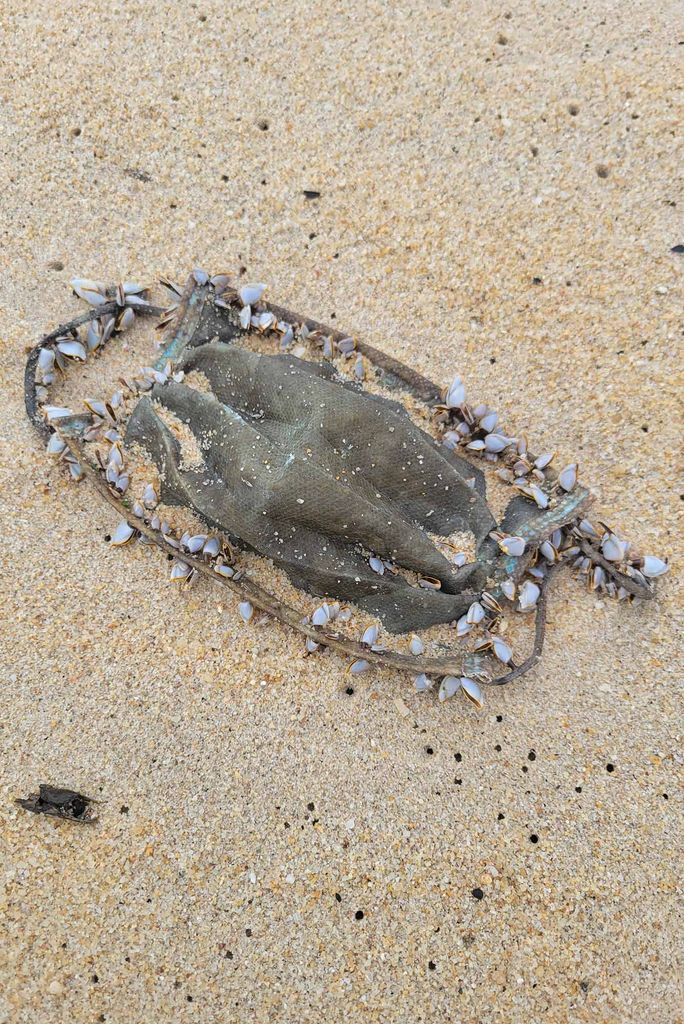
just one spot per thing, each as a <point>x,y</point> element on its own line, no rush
<point>310,471</point>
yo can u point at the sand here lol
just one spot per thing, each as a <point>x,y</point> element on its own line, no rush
<point>499,194</point>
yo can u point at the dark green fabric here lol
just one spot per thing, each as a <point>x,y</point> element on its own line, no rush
<point>315,473</point>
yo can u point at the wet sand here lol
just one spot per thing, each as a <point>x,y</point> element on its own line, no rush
<point>499,197</point>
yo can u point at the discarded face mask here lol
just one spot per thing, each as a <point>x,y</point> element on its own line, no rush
<point>343,467</point>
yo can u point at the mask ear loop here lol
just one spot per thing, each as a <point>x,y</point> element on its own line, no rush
<point>31,385</point>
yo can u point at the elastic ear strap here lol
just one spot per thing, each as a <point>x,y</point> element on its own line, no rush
<point>48,341</point>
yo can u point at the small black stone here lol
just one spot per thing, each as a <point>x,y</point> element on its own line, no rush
<point>359,915</point>
<point>429,750</point>
<point>310,806</point>
<point>338,897</point>
<point>534,838</point>
<point>478,894</point>
<point>310,193</point>
<point>679,249</point>
<point>532,756</point>
<point>458,757</point>
<point>431,965</point>
<point>610,767</point>
<point>500,816</point>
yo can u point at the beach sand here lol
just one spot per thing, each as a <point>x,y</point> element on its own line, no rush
<point>500,190</point>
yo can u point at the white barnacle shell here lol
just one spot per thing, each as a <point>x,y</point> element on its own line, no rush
<point>359,666</point>
<point>96,406</point>
<point>200,276</point>
<point>528,596</point>
<point>94,292</point>
<point>320,617</point>
<point>496,443</point>
<point>370,636</point>
<point>251,293</point>
<point>224,570</point>
<point>449,686</point>
<point>196,543</point>
<point>489,421</point>
<point>501,650</point>
<point>544,460</point>
<point>537,495</point>
<point>245,610</point>
<point>508,589</point>
<point>612,548</point>
<point>416,646</point>
<point>475,614</point>
<point>422,683</point>
<point>115,456</point>
<point>472,691</point>
<point>476,446</point>
<point>246,317</point>
<point>288,336</point>
<point>55,445</point>
<point>73,349</point>
<point>548,551</point>
<point>211,547</point>
<point>46,361</point>
<point>122,534</point>
<point>463,627</point>
<point>511,545</point>
<point>459,559</point>
<point>311,645</point>
<point>490,603</point>
<point>149,496</point>
<point>265,321</point>
<point>56,412</point>
<point>598,577</point>
<point>179,572</point>
<point>125,319</point>
<point>456,395</point>
<point>567,478</point>
<point>138,510</point>
<point>588,529</point>
<point>377,565</point>
<point>653,567</point>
